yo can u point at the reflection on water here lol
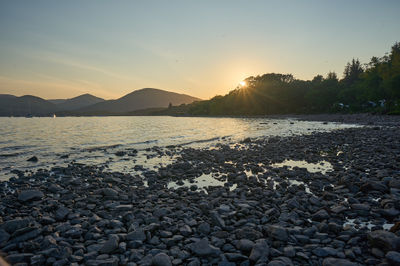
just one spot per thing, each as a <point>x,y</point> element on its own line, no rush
<point>94,140</point>
<point>321,167</point>
<point>201,182</point>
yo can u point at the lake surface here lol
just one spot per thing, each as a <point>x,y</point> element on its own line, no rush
<point>95,140</point>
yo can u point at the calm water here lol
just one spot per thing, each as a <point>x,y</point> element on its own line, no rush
<point>95,140</point>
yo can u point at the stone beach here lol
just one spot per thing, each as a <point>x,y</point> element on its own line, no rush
<point>261,213</point>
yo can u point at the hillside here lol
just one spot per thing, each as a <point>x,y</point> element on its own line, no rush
<point>76,102</point>
<point>25,105</point>
<point>138,100</point>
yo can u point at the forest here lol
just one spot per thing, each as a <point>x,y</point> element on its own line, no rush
<point>371,87</point>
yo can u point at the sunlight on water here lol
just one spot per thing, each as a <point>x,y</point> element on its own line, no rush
<point>321,167</point>
<point>95,140</point>
<point>202,182</point>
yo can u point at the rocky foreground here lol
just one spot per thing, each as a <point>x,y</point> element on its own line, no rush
<point>81,215</point>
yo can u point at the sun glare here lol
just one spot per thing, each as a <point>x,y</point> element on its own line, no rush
<point>242,83</point>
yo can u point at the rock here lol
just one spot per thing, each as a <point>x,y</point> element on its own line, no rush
<point>384,240</point>
<point>278,232</point>
<point>235,257</point>
<point>216,218</point>
<point>19,257</point>
<point>204,228</point>
<point>13,225</point>
<point>203,248</point>
<point>185,230</point>
<point>281,261</point>
<point>110,245</point>
<point>320,215</point>
<point>109,192</point>
<point>120,153</point>
<point>33,159</point>
<point>393,258</point>
<point>245,245</point>
<point>137,235</point>
<point>30,194</point>
<point>248,233</point>
<point>289,251</point>
<point>61,213</point>
<point>260,251</point>
<point>161,259</point>
<point>337,262</point>
<point>103,262</point>
<point>4,237</point>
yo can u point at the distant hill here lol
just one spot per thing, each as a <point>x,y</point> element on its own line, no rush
<point>11,105</point>
<point>138,100</point>
<point>76,102</point>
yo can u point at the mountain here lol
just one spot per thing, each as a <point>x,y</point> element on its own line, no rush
<point>76,102</point>
<point>11,105</point>
<point>137,100</point>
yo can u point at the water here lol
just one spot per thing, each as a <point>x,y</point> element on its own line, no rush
<point>95,140</point>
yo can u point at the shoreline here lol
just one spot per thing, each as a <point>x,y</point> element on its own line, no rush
<point>81,215</point>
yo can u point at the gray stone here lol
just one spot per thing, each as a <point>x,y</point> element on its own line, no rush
<point>30,194</point>
<point>161,259</point>
<point>393,258</point>
<point>337,262</point>
<point>61,213</point>
<point>217,220</point>
<point>109,192</point>
<point>259,251</point>
<point>137,235</point>
<point>203,248</point>
<point>320,215</point>
<point>13,225</point>
<point>278,232</point>
<point>245,245</point>
<point>384,240</point>
<point>19,258</point>
<point>185,230</point>
<point>204,228</point>
<point>110,245</point>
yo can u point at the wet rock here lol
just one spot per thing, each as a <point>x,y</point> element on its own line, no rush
<point>33,159</point>
<point>103,262</point>
<point>30,194</point>
<point>161,259</point>
<point>384,240</point>
<point>281,261</point>
<point>203,248</point>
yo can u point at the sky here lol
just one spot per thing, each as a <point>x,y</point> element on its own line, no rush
<point>61,49</point>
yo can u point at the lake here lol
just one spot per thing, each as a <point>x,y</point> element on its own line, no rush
<point>95,140</point>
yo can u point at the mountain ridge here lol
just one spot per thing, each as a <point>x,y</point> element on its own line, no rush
<point>87,104</point>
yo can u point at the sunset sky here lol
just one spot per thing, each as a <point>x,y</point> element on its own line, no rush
<point>61,49</point>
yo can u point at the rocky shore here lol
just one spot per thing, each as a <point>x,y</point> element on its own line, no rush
<point>262,215</point>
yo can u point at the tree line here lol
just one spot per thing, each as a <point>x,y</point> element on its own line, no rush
<point>372,87</point>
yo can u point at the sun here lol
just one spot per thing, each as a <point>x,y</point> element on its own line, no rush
<point>242,83</point>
